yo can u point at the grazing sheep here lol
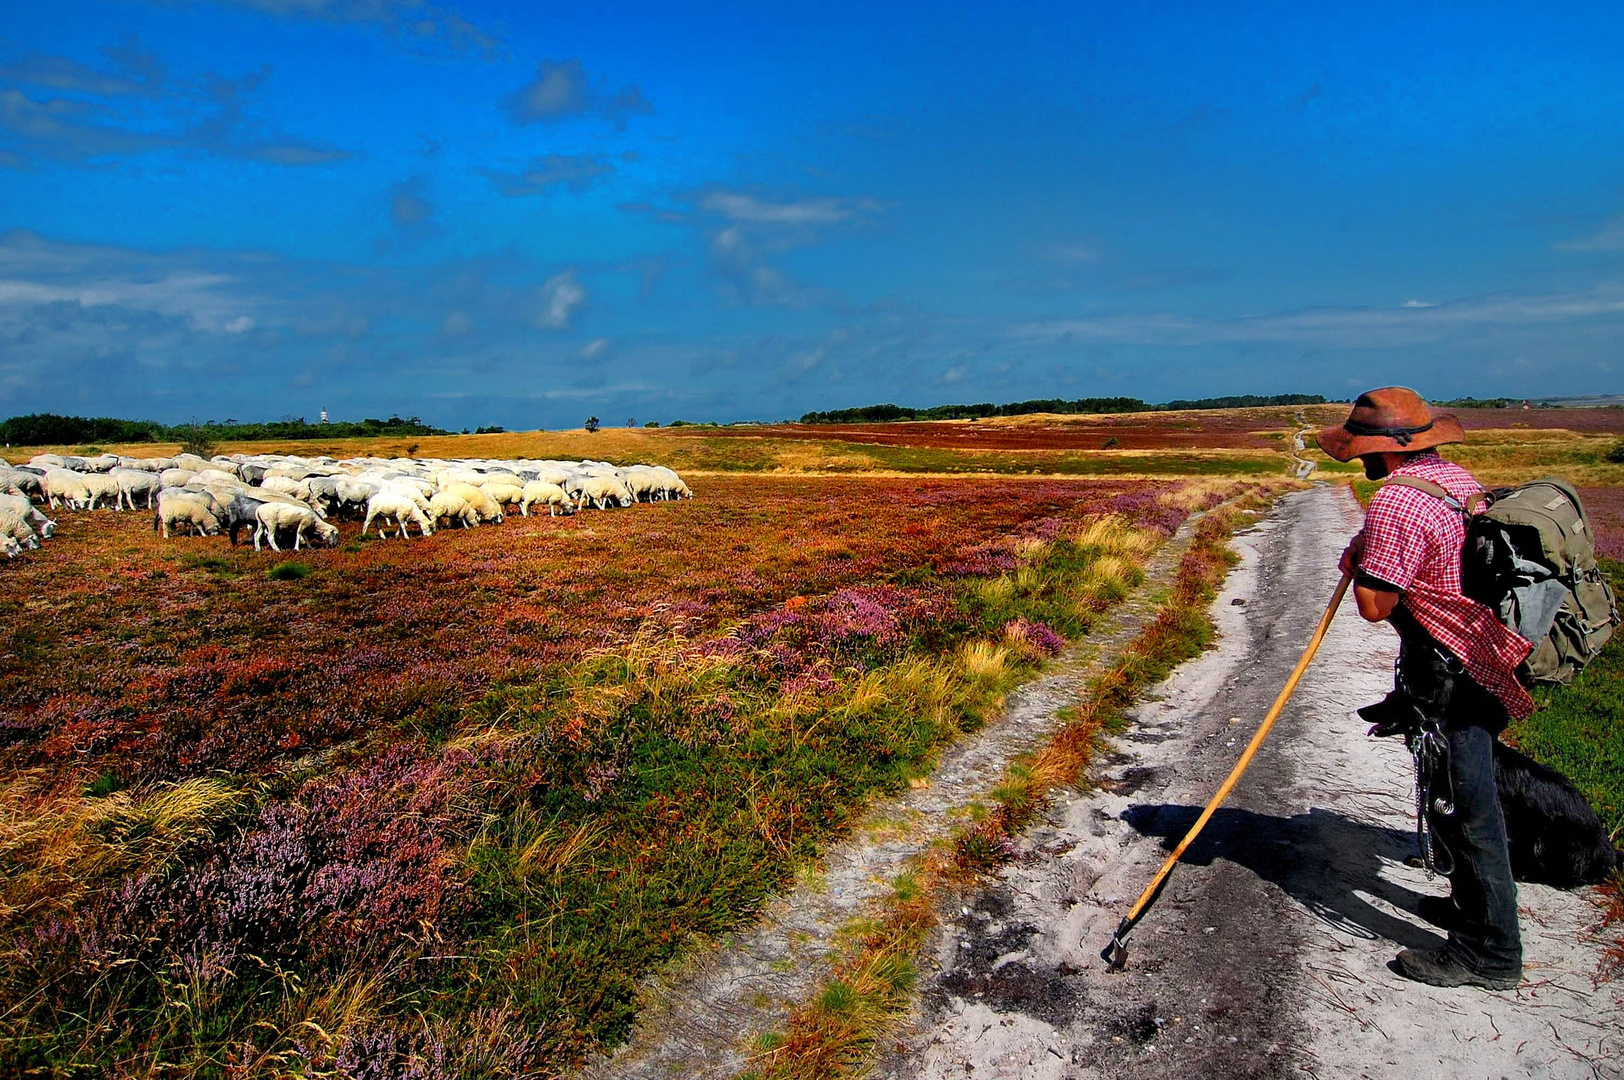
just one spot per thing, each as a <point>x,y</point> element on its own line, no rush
<point>454,507</point>
<point>176,477</point>
<point>69,487</point>
<point>299,489</point>
<point>300,519</point>
<point>135,482</point>
<point>644,483</point>
<point>389,504</point>
<point>10,547</point>
<point>486,507</point>
<point>48,461</point>
<point>675,487</point>
<point>339,495</point>
<point>540,491</point>
<point>177,507</point>
<point>504,494</point>
<point>20,506</point>
<point>216,476</point>
<point>602,491</point>
<point>242,512</point>
<point>101,463</point>
<point>15,530</point>
<point>18,482</point>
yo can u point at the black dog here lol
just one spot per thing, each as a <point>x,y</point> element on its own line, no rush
<point>1555,836</point>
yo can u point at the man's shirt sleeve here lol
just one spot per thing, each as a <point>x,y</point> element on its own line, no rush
<point>1395,541</point>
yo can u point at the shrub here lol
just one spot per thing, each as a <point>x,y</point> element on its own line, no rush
<point>289,571</point>
<point>1615,453</point>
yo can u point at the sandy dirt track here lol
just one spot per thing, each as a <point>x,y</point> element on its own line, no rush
<point>1267,954</point>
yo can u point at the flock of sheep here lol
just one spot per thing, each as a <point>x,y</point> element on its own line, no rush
<point>276,495</point>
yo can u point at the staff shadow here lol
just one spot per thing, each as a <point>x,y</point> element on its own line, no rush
<point>1321,859</point>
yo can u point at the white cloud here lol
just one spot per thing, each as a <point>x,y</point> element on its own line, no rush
<point>1610,237</point>
<point>739,206</point>
<point>1339,327</point>
<point>1069,253</point>
<point>560,298</point>
<point>594,348</point>
<point>196,296</point>
<point>562,90</point>
<point>1412,303</point>
<point>240,325</point>
<point>956,373</point>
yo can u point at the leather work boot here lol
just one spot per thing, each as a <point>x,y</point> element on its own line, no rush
<point>1440,911</point>
<point>1436,967</point>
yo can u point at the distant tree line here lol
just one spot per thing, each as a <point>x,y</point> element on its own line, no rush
<point>879,414</point>
<point>49,429</point>
<point>1477,403</point>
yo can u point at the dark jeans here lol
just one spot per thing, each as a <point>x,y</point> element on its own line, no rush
<point>1486,940</point>
<point>1474,835</point>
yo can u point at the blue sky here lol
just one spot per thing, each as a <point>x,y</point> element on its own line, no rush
<point>504,214</point>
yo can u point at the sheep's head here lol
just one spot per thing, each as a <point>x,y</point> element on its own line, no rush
<point>10,547</point>
<point>48,530</point>
<point>327,534</point>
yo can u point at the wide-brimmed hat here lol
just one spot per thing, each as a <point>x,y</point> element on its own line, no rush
<point>1393,418</point>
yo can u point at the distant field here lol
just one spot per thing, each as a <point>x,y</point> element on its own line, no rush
<point>1166,445</point>
<point>1229,428</point>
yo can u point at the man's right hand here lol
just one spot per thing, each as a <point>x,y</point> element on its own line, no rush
<point>1349,562</point>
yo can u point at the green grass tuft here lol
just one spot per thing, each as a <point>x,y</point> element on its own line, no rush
<point>289,571</point>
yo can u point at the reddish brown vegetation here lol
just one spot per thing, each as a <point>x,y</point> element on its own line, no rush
<point>124,653</point>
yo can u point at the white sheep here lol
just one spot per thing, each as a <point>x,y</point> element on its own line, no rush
<point>446,504</point>
<point>301,519</point>
<point>282,485</point>
<point>391,504</point>
<point>16,531</point>
<point>11,548</point>
<point>601,491</point>
<point>540,491</point>
<point>69,487</point>
<point>135,482</point>
<point>504,494</point>
<point>177,507</point>
<point>19,505</point>
<point>487,508</point>
<point>176,477</point>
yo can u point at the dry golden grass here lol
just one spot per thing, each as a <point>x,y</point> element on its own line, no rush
<point>54,847</point>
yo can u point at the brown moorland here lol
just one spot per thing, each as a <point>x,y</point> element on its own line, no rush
<point>439,805</point>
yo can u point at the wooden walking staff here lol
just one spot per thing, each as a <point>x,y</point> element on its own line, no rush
<point>1116,953</point>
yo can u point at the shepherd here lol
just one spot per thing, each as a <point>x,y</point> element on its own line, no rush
<point>1456,673</point>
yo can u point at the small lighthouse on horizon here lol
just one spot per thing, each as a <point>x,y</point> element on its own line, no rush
<point>324,415</point>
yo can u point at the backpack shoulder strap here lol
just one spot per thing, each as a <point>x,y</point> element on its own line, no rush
<point>1469,507</point>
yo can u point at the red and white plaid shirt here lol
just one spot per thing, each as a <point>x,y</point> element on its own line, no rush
<point>1413,542</point>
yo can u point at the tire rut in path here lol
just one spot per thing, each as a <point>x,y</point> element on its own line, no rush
<point>693,1023</point>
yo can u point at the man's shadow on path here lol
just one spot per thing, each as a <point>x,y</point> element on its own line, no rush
<point>1322,859</point>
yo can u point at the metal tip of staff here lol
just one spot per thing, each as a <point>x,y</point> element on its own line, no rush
<point>1115,954</point>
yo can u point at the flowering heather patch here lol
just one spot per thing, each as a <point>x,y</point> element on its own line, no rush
<point>1605,508</point>
<point>1033,637</point>
<point>489,781</point>
<point>206,667</point>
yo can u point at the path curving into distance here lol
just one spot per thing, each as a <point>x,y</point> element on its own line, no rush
<point>1266,955</point>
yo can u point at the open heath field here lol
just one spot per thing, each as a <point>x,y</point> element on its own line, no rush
<point>434,807</point>
<point>1241,442</point>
